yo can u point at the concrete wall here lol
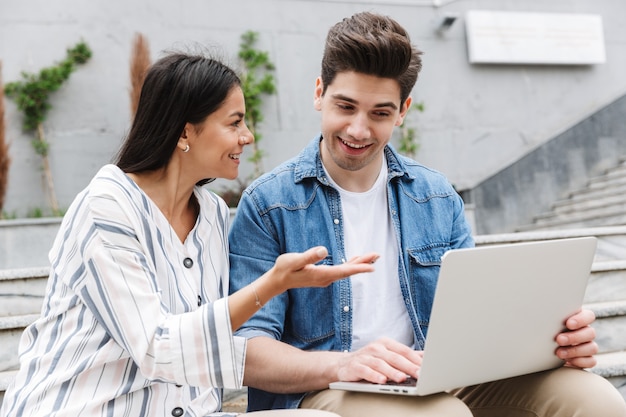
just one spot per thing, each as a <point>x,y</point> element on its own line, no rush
<point>478,120</point>
<point>529,186</point>
<point>25,243</point>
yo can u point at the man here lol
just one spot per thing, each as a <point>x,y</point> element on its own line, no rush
<point>350,191</point>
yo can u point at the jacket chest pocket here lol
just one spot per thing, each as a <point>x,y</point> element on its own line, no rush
<point>424,265</point>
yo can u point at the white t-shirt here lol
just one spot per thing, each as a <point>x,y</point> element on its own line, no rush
<point>377,304</point>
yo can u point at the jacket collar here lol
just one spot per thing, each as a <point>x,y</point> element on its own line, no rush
<point>309,163</point>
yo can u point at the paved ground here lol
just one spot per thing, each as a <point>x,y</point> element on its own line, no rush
<point>235,401</point>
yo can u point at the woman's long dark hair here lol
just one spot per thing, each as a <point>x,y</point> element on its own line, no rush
<point>178,89</point>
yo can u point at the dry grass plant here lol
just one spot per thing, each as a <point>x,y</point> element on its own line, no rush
<point>5,159</point>
<point>139,63</point>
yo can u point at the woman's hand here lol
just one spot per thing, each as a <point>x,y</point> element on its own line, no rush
<point>297,270</point>
<point>293,270</point>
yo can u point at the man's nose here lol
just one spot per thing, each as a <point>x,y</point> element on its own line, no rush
<point>359,127</point>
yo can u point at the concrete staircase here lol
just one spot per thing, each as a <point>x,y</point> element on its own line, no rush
<point>22,290</point>
<point>601,202</point>
<point>21,295</point>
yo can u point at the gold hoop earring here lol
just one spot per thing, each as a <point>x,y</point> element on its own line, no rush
<point>186,148</point>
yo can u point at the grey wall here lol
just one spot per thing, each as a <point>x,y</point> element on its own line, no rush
<point>530,185</point>
<point>479,119</point>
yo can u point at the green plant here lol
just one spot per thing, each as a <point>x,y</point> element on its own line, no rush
<point>8,216</point>
<point>32,96</point>
<point>257,82</point>
<point>35,213</point>
<point>409,136</point>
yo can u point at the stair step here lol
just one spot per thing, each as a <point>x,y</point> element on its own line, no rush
<point>11,329</point>
<point>5,379</point>
<point>610,325</point>
<point>590,198</point>
<point>615,212</point>
<point>22,290</point>
<point>614,178</point>
<point>607,282</point>
<point>612,366</point>
<point>618,219</point>
<point>611,240</point>
<point>583,204</point>
<point>597,191</point>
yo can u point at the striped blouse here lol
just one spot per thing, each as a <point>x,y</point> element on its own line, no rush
<point>133,322</point>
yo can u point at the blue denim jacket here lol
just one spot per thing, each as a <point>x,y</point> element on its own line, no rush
<point>293,208</point>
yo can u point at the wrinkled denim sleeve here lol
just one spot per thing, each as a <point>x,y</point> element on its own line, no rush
<point>461,229</point>
<point>253,251</point>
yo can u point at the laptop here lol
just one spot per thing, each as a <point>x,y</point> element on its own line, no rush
<point>496,312</point>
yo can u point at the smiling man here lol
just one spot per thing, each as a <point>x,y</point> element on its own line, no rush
<point>351,192</point>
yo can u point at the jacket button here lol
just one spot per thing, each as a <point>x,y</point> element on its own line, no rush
<point>177,412</point>
<point>199,301</point>
<point>187,262</point>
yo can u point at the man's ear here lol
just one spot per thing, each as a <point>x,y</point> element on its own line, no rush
<point>404,110</point>
<point>317,95</point>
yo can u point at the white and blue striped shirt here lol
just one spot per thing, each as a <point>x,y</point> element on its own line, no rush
<point>134,322</point>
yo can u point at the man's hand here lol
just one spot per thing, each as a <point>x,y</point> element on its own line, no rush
<point>577,345</point>
<point>380,361</point>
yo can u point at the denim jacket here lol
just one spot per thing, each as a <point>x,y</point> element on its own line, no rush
<point>294,207</point>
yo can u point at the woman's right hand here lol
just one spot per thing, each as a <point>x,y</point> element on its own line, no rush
<point>293,270</point>
<point>297,270</point>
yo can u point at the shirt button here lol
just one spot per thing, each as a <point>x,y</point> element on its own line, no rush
<point>336,221</point>
<point>177,412</point>
<point>346,308</point>
<point>199,301</point>
<point>187,262</point>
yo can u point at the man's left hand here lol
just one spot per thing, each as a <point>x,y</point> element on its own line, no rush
<point>576,344</point>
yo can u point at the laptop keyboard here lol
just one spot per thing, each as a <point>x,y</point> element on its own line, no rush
<point>409,382</point>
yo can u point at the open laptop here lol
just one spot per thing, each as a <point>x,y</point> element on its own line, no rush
<point>496,312</point>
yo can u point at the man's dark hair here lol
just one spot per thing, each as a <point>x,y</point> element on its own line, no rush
<point>371,44</point>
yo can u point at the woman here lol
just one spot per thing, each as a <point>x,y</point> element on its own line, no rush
<point>135,321</point>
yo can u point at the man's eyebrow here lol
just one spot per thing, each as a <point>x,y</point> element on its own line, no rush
<point>353,101</point>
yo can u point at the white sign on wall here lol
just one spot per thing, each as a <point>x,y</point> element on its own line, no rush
<point>534,38</point>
